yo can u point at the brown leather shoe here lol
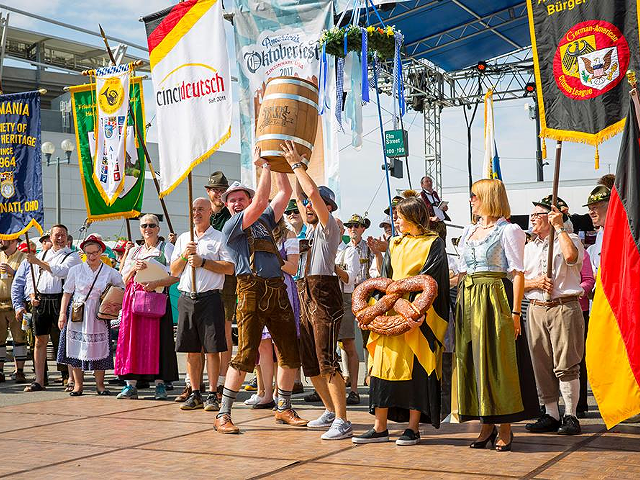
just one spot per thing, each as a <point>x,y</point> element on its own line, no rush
<point>223,424</point>
<point>186,393</point>
<point>290,417</point>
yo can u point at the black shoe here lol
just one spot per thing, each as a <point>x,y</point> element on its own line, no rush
<point>409,437</point>
<point>312,397</point>
<point>353,398</point>
<point>545,423</point>
<point>168,386</point>
<point>506,447</point>
<point>570,426</point>
<point>77,393</point>
<point>264,406</point>
<point>116,381</point>
<point>581,414</point>
<point>193,402</point>
<point>142,384</point>
<point>483,443</point>
<point>372,437</point>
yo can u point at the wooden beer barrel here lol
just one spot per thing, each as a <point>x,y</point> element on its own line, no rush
<point>289,111</point>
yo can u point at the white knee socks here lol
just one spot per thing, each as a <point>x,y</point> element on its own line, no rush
<point>570,394</point>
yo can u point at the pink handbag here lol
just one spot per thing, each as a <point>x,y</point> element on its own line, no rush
<point>149,304</point>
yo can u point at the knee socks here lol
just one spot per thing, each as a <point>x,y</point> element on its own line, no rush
<point>570,391</point>
<point>3,353</point>
<point>228,397</point>
<point>284,400</point>
<point>132,383</point>
<point>552,410</point>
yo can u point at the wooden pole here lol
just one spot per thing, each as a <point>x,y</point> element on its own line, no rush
<point>193,269</point>
<point>33,273</point>
<point>128,224</point>
<point>138,133</point>
<point>554,200</point>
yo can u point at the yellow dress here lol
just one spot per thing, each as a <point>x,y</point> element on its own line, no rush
<point>406,370</point>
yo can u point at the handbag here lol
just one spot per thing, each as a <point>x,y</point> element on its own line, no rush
<point>149,304</point>
<point>77,307</point>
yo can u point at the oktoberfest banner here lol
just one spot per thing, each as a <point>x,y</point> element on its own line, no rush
<point>192,83</point>
<point>280,38</point>
<point>581,53</point>
<point>21,205</point>
<point>109,150</point>
<point>128,202</point>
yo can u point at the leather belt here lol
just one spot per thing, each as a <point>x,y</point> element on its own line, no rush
<point>555,302</point>
<point>196,296</point>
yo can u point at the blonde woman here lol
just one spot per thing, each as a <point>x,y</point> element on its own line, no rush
<point>494,378</point>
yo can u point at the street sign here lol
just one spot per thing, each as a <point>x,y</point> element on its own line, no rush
<point>396,143</point>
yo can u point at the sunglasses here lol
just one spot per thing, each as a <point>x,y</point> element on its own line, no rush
<point>149,225</point>
<point>538,215</point>
<point>290,212</point>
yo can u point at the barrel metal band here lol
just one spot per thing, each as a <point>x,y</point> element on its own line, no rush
<point>291,81</point>
<point>279,136</point>
<point>278,153</point>
<point>289,96</point>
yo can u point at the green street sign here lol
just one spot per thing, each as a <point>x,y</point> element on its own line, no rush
<point>396,143</point>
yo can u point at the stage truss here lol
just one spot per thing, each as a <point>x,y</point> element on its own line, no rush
<point>429,90</point>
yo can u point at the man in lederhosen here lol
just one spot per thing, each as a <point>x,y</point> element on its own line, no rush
<point>51,268</point>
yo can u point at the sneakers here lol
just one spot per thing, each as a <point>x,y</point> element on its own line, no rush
<point>161,392</point>
<point>372,437</point>
<point>353,398</point>
<point>546,423</point>
<point>193,402</point>
<point>211,403</point>
<point>186,393</point>
<point>253,399</point>
<point>19,377</point>
<point>129,392</point>
<point>340,429</point>
<point>409,437</point>
<point>252,386</point>
<point>570,426</point>
<point>312,397</point>
<point>323,421</point>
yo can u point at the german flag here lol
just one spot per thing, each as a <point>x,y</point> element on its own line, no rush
<point>613,342</point>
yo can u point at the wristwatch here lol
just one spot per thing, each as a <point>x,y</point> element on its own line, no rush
<point>297,165</point>
<point>560,230</point>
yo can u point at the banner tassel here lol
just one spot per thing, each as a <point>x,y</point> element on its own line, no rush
<point>597,159</point>
<point>544,149</point>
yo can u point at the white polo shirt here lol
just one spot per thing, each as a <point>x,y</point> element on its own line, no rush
<point>211,247</point>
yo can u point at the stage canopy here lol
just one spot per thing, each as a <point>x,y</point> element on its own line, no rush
<point>454,34</point>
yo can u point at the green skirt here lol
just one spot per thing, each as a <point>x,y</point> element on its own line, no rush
<point>488,371</point>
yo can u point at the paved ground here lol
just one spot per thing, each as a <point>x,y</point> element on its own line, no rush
<point>51,435</point>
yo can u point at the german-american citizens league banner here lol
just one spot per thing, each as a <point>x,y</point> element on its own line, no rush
<point>581,51</point>
<point>192,83</point>
<point>21,205</point>
<point>128,203</point>
<point>280,38</point>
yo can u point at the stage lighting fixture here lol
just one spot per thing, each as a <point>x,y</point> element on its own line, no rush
<point>530,87</point>
<point>481,67</point>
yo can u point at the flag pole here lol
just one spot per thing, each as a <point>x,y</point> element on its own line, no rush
<point>33,273</point>
<point>554,200</point>
<point>191,237</point>
<point>144,145</point>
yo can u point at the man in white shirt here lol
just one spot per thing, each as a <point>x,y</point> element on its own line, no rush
<point>51,268</point>
<point>200,309</point>
<point>598,205</point>
<point>555,321</point>
<point>354,265</point>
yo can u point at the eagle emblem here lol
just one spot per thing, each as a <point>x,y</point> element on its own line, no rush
<point>599,68</point>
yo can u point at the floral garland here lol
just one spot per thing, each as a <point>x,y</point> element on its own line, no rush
<point>381,40</point>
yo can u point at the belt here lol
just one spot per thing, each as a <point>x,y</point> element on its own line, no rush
<point>555,302</point>
<point>196,296</point>
<point>50,295</point>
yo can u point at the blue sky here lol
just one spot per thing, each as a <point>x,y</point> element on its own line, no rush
<point>515,132</point>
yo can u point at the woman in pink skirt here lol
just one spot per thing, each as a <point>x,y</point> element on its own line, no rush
<point>146,349</point>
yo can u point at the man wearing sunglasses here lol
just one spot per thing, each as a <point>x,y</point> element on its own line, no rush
<point>554,317</point>
<point>321,308</point>
<point>262,293</point>
<point>293,218</point>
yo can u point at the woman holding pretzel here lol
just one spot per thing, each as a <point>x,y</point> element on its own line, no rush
<point>490,358</point>
<point>406,369</point>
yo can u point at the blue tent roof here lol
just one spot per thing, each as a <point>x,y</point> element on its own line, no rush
<point>454,34</point>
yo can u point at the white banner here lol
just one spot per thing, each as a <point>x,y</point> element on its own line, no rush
<point>109,149</point>
<point>275,39</point>
<point>192,82</point>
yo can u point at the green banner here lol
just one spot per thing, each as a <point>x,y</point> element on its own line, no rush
<point>129,203</point>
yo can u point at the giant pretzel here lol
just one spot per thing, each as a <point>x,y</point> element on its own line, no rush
<point>409,314</point>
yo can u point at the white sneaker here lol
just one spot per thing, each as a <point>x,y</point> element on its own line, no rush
<point>253,399</point>
<point>340,429</point>
<point>323,421</point>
